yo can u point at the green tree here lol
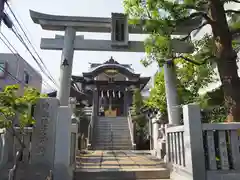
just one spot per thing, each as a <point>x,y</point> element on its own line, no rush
<point>157,98</point>
<point>138,104</point>
<point>190,80</point>
<point>15,109</point>
<point>139,118</point>
<point>162,17</point>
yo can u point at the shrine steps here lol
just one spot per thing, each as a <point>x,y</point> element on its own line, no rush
<point>112,133</point>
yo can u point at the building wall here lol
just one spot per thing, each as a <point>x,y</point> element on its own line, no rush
<point>16,68</point>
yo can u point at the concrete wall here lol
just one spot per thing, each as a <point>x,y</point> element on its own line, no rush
<point>16,67</point>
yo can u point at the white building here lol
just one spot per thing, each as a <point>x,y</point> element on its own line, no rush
<point>15,70</point>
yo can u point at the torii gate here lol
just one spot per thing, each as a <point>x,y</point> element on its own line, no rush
<point>119,28</point>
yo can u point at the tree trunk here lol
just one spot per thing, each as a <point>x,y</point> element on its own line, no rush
<point>226,59</point>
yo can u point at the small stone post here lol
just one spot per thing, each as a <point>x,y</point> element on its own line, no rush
<point>193,142</point>
<point>155,127</point>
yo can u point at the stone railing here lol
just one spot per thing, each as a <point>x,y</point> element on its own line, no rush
<point>74,144</point>
<point>131,129</point>
<point>3,148</point>
<point>175,146</point>
<point>82,143</point>
<point>203,151</point>
<point>222,149</point>
<point>21,153</point>
<point>27,140</point>
<point>90,129</point>
<point>161,142</point>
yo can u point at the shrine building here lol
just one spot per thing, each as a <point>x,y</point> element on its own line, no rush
<point>107,87</point>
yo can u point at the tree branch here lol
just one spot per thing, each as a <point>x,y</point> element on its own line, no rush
<point>14,134</point>
<point>194,62</point>
<point>197,28</point>
<point>195,15</point>
<point>235,1</point>
<point>232,11</point>
<point>148,14</point>
<point>235,33</point>
<point>197,6</point>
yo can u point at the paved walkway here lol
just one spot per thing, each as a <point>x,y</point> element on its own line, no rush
<point>117,160</point>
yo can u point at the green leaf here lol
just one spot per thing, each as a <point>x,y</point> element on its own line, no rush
<point>12,105</point>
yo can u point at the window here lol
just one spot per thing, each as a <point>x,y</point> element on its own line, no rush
<point>117,31</point>
<point>26,77</point>
<point>2,69</point>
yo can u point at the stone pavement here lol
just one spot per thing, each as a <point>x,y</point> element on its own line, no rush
<point>121,160</point>
<point>36,172</point>
<point>119,165</point>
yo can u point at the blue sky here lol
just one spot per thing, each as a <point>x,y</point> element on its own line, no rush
<point>94,8</point>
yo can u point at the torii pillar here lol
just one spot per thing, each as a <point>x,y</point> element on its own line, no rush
<point>66,66</point>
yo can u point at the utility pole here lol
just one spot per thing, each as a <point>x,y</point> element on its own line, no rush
<point>2,3</point>
<point>4,17</point>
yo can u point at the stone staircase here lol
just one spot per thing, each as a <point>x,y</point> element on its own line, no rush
<point>112,134</point>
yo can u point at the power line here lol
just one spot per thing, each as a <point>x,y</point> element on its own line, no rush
<point>48,74</point>
<point>34,58</point>
<point>21,39</point>
<point>8,44</point>
<point>18,81</point>
<point>12,49</point>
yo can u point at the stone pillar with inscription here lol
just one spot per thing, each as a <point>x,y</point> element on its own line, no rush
<point>43,137</point>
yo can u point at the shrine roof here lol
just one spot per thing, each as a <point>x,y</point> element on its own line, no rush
<point>96,68</point>
<point>110,61</point>
<point>142,81</point>
<point>94,65</point>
